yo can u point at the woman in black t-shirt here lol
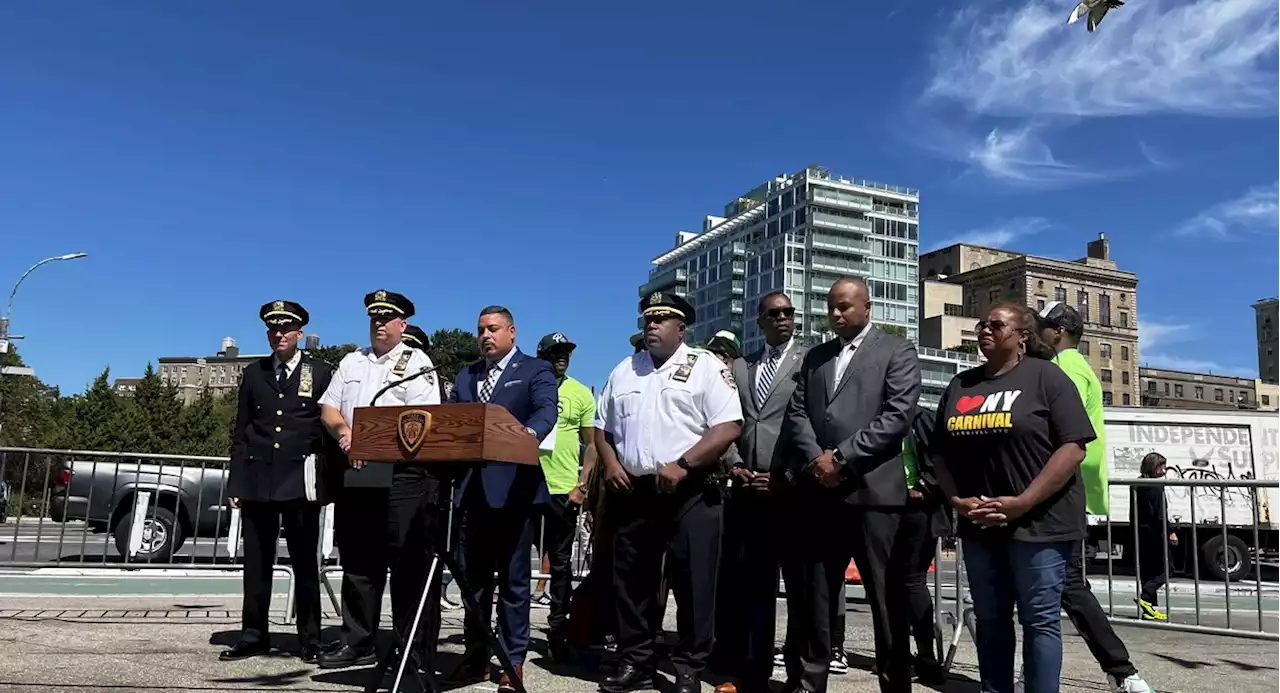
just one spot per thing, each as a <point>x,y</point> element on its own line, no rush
<point>1008,442</point>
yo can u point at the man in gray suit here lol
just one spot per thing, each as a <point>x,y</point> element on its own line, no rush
<point>749,557</point>
<point>852,406</point>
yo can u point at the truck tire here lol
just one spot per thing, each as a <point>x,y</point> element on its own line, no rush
<point>1235,562</point>
<point>161,536</point>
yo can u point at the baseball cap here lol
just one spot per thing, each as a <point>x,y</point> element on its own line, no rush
<point>725,342</point>
<point>555,339</point>
<point>1059,315</point>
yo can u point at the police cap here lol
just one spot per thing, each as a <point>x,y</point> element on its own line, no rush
<point>388,304</point>
<point>662,304</point>
<point>416,338</point>
<point>282,313</point>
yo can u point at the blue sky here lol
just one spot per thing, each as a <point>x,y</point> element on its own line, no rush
<point>210,157</point>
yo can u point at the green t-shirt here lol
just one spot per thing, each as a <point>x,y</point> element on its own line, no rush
<point>1094,468</point>
<point>577,411</point>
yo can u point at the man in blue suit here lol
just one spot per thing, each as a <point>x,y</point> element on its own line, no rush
<point>496,499</point>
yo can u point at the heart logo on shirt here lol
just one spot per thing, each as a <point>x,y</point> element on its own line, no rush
<point>964,405</point>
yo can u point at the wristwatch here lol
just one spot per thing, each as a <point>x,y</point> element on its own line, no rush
<point>531,432</point>
<point>683,463</point>
<point>838,458</point>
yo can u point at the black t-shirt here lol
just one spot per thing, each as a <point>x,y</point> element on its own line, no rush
<point>995,435</point>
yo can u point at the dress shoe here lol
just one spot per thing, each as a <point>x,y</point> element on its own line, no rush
<point>628,677</point>
<point>504,682</point>
<point>244,650</point>
<point>347,656</point>
<point>690,683</point>
<point>309,653</point>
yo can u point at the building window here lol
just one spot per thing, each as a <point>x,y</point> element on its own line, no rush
<point>1151,386</point>
<point>1199,392</point>
<point>1124,319</point>
<point>1039,304</point>
<point>1106,398</point>
<point>1166,390</point>
<point>1244,396</point>
<point>1125,396</point>
<point>1124,377</point>
<point>1082,305</point>
<point>1177,391</point>
<point>1104,350</point>
<point>1217,394</point>
<point>1266,400</point>
<point>1124,353</point>
<point>1104,310</point>
<point>993,295</point>
<point>1106,375</point>
<point>1083,348</point>
<point>1060,295</point>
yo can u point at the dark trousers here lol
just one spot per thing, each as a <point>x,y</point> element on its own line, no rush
<point>1152,573</point>
<point>495,540</point>
<point>684,525</point>
<point>828,533</point>
<point>1090,620</point>
<point>748,590</point>
<point>554,537</point>
<point>913,552</point>
<point>261,529</point>
<point>379,530</point>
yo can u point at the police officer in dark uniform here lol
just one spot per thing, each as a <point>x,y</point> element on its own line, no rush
<point>278,477</point>
<point>417,338</point>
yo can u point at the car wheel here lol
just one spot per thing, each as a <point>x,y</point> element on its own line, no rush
<point>161,536</point>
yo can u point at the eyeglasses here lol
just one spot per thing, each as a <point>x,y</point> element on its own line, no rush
<point>995,325</point>
<point>776,313</point>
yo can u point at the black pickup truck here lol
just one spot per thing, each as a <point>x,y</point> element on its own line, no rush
<point>183,500</point>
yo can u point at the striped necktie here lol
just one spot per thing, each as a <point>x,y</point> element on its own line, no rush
<point>486,387</point>
<point>767,370</point>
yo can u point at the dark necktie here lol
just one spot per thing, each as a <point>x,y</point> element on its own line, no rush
<point>486,386</point>
<point>281,375</point>
<point>767,371</point>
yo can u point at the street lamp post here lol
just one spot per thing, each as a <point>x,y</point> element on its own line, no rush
<point>7,319</point>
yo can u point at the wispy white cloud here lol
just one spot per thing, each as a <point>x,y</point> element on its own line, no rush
<point>1019,156</point>
<point>1256,211</point>
<point>1000,235</point>
<point>1208,57</point>
<point>1155,339</point>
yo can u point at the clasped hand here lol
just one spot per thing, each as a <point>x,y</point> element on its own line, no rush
<point>991,512</point>
<point>824,469</point>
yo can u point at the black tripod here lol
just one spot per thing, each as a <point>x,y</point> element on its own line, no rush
<point>407,654</point>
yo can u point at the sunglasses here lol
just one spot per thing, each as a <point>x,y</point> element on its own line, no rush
<point>995,325</point>
<point>776,313</point>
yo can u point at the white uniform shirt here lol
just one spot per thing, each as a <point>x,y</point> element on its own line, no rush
<point>361,374</point>
<point>656,415</point>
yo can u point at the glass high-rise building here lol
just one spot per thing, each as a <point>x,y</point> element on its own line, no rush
<point>797,233</point>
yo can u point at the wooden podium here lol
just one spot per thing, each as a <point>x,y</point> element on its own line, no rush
<point>439,433</point>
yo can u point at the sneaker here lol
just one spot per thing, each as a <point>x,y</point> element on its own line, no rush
<point>1131,684</point>
<point>839,663</point>
<point>779,659</point>
<point>448,604</point>
<point>1151,612</point>
<point>542,601</point>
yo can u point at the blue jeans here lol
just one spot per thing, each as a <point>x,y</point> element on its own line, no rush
<point>1003,572</point>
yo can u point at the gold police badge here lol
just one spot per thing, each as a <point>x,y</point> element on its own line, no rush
<point>412,428</point>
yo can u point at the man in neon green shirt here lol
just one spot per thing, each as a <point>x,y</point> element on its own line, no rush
<point>567,484</point>
<point>1061,327</point>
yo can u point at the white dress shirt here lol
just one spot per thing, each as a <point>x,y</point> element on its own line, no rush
<point>290,366</point>
<point>495,371</point>
<point>362,373</point>
<point>764,358</point>
<point>656,414</point>
<point>846,353</point>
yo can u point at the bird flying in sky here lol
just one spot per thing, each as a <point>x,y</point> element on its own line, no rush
<point>1096,9</point>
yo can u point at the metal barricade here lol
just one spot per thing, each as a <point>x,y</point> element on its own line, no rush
<point>153,512</point>
<point>1226,538</point>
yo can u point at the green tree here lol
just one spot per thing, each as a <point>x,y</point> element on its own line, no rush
<point>966,348</point>
<point>331,354</point>
<point>451,350</point>
<point>895,330</point>
<point>27,407</point>
<point>160,408</point>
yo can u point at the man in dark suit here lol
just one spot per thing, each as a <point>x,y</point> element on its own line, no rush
<point>496,499</point>
<point>745,619</point>
<point>850,411</point>
<point>277,450</point>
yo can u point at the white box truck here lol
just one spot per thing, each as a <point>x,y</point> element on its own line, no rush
<point>1198,444</point>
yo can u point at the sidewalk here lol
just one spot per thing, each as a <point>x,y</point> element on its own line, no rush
<point>132,643</point>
